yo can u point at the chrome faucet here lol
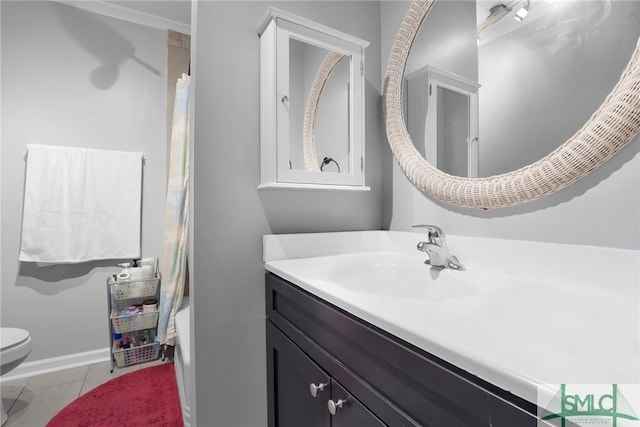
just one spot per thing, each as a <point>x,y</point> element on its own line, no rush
<point>436,248</point>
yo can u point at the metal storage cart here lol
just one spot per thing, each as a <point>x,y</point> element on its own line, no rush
<point>133,329</point>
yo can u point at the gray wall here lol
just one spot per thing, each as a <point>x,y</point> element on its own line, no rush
<point>57,90</point>
<point>602,209</point>
<point>230,215</point>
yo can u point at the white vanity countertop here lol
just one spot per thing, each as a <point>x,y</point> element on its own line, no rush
<point>522,315</point>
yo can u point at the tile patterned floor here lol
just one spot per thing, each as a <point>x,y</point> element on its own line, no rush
<point>32,402</point>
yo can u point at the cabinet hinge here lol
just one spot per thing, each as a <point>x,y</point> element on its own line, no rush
<point>361,68</point>
<point>429,89</point>
<point>361,163</point>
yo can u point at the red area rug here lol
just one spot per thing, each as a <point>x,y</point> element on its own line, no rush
<point>141,398</point>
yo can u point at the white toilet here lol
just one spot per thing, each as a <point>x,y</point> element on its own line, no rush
<point>15,346</point>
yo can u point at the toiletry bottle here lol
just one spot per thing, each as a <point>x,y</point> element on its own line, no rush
<point>117,340</point>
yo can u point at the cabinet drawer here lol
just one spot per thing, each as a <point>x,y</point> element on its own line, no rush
<point>423,388</point>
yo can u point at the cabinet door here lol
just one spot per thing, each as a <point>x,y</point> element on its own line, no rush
<point>348,411</point>
<point>290,374</point>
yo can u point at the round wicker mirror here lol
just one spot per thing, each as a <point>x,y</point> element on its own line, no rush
<point>614,124</point>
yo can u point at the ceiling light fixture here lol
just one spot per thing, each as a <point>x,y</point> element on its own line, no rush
<point>522,13</point>
<point>496,13</point>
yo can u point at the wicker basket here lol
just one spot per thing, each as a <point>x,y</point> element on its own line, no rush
<point>134,289</point>
<point>130,356</point>
<point>134,322</point>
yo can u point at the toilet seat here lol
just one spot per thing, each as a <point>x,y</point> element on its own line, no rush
<point>15,346</point>
<point>12,337</point>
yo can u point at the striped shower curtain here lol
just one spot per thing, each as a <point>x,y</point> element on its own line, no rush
<point>176,217</point>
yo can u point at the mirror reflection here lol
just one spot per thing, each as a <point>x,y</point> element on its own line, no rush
<point>540,78</point>
<point>319,119</point>
<point>454,126</point>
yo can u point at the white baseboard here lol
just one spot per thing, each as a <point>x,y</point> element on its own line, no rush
<point>45,366</point>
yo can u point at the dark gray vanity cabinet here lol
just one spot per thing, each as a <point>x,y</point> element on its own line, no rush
<point>382,379</point>
<point>300,391</point>
<point>290,375</point>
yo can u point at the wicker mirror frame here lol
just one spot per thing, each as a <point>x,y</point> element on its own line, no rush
<point>614,124</point>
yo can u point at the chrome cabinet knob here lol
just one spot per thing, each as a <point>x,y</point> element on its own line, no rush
<point>314,389</point>
<point>334,406</point>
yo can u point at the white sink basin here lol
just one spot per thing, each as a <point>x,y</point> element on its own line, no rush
<point>398,276</point>
<point>522,314</point>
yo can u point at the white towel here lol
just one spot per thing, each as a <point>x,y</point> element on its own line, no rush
<point>81,204</point>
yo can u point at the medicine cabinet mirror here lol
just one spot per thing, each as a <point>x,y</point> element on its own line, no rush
<point>311,105</point>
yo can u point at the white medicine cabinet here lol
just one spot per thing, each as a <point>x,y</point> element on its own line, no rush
<point>311,105</point>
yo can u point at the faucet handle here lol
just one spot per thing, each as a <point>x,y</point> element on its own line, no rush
<point>433,231</point>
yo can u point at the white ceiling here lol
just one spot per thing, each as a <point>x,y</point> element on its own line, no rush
<point>165,14</point>
<point>179,12</point>
<point>175,10</point>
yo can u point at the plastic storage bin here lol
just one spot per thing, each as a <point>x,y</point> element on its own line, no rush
<point>139,288</point>
<point>133,355</point>
<point>134,322</point>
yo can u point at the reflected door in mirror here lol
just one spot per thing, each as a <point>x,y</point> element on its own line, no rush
<point>453,133</point>
<point>442,119</point>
